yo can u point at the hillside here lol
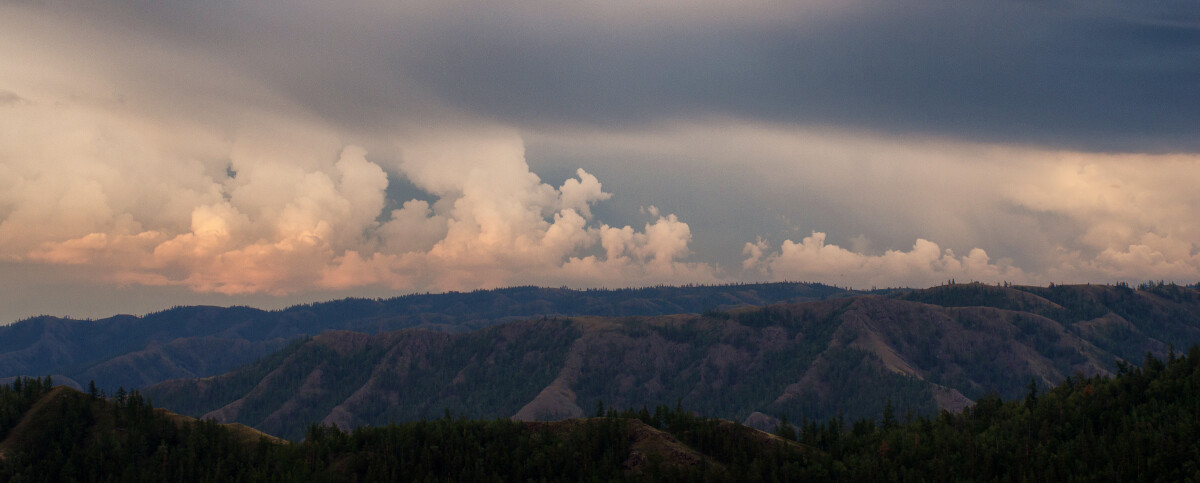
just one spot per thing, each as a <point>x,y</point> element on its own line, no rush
<point>941,348</point>
<point>1140,424</point>
<point>59,434</point>
<point>184,342</point>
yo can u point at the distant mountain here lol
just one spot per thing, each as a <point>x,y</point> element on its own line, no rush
<point>183,342</point>
<point>924,350</point>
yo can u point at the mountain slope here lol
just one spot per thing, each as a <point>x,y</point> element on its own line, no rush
<point>39,422</point>
<point>816,360</point>
<point>201,341</point>
<point>1141,424</point>
<point>59,434</point>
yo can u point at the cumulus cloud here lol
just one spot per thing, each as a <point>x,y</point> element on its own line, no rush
<point>1058,216</point>
<point>279,227</point>
<point>923,265</point>
<point>1090,218</point>
<point>1136,214</point>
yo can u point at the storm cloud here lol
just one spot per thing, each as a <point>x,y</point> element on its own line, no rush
<point>1097,76</point>
<point>286,151</point>
<point>1091,76</point>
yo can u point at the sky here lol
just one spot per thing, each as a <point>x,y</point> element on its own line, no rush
<point>267,153</point>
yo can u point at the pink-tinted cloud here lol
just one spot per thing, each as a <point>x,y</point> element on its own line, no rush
<point>280,228</point>
<point>923,265</point>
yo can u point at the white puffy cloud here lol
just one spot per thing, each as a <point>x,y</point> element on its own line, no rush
<point>503,225</point>
<point>1096,218</point>
<point>275,226</point>
<point>579,194</point>
<point>1137,214</point>
<point>924,264</point>
<point>1058,216</point>
<point>413,228</point>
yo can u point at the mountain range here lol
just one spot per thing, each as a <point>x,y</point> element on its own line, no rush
<point>849,355</point>
<point>1138,424</point>
<point>197,341</point>
<point>751,353</point>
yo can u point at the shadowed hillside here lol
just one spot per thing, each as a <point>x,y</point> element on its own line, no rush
<point>133,352</point>
<point>1140,424</point>
<point>940,348</point>
<point>59,434</point>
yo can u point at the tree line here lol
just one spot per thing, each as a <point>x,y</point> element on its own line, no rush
<point>1143,423</point>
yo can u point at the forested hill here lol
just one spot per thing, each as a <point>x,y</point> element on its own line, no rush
<point>1140,425</point>
<point>940,348</point>
<point>200,341</point>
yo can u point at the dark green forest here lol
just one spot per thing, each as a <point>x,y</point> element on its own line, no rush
<point>1141,424</point>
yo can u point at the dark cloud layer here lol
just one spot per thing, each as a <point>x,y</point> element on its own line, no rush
<point>1096,76</point>
<point>1031,72</point>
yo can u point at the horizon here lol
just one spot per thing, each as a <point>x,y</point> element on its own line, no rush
<point>273,153</point>
<point>852,290</point>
